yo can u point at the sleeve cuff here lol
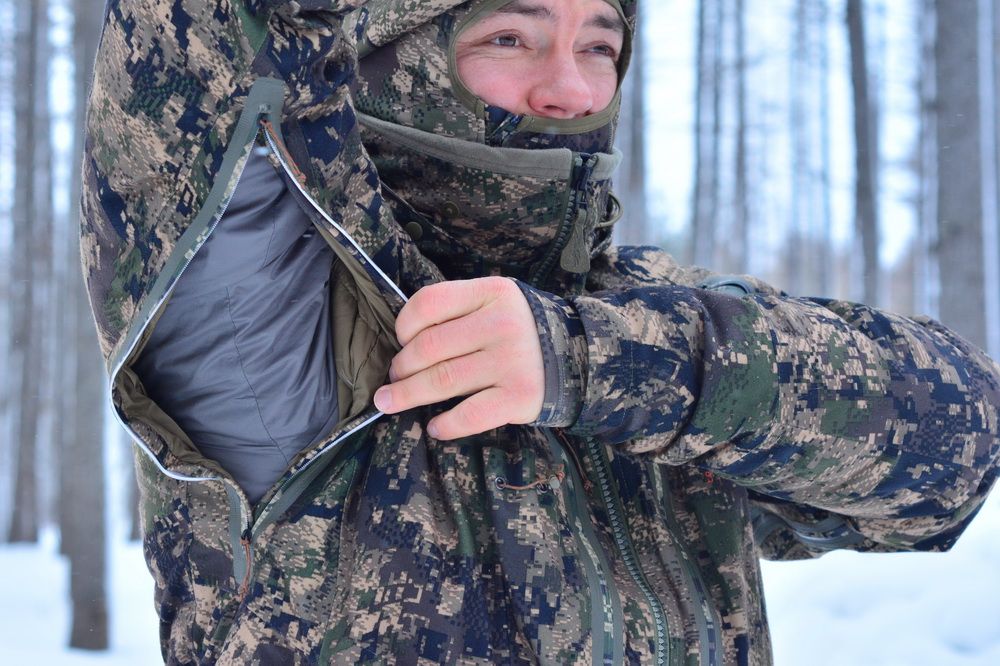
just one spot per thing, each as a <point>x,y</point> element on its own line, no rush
<point>564,353</point>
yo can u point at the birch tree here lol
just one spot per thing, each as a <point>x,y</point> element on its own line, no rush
<point>825,261</point>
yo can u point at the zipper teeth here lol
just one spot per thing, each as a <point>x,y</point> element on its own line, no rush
<point>234,181</point>
<point>275,148</point>
<point>371,419</point>
<point>287,167</point>
<point>584,538</point>
<point>628,553</point>
<point>569,219</point>
<point>704,617</point>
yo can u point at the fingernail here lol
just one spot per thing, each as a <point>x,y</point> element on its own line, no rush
<point>433,430</point>
<point>383,399</point>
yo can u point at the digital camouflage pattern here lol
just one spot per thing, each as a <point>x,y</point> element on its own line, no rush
<point>691,422</point>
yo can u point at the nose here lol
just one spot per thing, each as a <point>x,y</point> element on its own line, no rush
<point>560,90</point>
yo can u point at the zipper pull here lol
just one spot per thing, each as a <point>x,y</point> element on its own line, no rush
<point>587,485</point>
<point>245,542</point>
<point>575,257</point>
<point>504,130</point>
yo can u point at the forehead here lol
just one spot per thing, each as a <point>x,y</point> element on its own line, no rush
<point>594,13</point>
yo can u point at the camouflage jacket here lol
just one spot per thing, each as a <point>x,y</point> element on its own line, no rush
<point>692,422</point>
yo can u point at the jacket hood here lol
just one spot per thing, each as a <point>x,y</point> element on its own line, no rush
<point>480,189</point>
<point>408,76</point>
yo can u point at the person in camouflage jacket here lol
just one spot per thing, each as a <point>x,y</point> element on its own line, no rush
<point>690,423</point>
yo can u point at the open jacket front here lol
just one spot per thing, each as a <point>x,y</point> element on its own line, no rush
<point>691,422</point>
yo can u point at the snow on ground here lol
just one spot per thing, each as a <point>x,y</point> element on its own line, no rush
<point>844,609</point>
<point>34,614</point>
<point>912,609</point>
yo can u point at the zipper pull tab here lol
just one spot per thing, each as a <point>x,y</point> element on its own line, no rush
<point>245,542</point>
<point>575,257</point>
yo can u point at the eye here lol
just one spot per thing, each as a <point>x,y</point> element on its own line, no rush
<point>604,50</point>
<point>508,41</point>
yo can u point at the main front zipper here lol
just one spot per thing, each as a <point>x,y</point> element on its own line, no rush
<point>704,613</point>
<point>607,625</point>
<point>616,518</point>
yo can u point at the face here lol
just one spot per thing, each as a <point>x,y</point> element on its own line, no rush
<point>549,58</point>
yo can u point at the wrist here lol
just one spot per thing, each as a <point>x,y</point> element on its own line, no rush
<point>564,356</point>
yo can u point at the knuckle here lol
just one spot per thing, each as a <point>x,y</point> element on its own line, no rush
<point>490,287</point>
<point>428,343</point>
<point>403,364</point>
<point>401,398</point>
<point>523,387</point>
<point>507,325</point>
<point>474,414</point>
<point>425,302</point>
<point>443,376</point>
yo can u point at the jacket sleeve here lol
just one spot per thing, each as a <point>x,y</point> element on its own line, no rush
<point>850,427</point>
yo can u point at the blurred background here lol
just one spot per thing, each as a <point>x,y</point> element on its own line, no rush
<point>842,148</point>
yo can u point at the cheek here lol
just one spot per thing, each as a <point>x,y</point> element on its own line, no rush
<point>497,83</point>
<point>603,86</point>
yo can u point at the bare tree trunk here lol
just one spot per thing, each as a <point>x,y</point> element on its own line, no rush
<point>796,255</point>
<point>960,170</point>
<point>44,246</point>
<point>633,229</point>
<point>24,348</point>
<point>866,152</point>
<point>697,195</point>
<point>996,100</point>
<point>996,132</point>
<point>718,81</point>
<point>8,29</point>
<point>741,235</point>
<point>988,108</point>
<point>82,473</point>
<point>927,278</point>
<point>707,103</point>
<point>825,259</point>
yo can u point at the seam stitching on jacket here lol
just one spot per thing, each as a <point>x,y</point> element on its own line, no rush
<point>229,310</point>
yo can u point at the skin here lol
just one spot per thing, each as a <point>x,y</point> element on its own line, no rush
<point>477,338</point>
<point>550,58</point>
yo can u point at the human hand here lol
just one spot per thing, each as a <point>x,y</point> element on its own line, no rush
<point>467,337</point>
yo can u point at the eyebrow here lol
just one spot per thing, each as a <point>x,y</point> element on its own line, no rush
<point>524,8</point>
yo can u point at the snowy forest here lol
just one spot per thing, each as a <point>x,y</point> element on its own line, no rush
<point>839,148</point>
